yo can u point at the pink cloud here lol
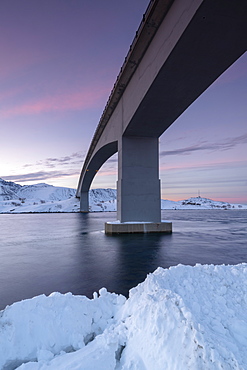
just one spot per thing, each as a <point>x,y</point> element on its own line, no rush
<point>63,102</point>
<point>107,173</point>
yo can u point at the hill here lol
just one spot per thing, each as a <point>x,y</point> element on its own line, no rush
<point>15,198</point>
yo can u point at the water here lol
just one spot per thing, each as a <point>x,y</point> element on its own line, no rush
<point>42,253</point>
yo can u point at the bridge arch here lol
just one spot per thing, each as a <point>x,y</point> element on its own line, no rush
<point>90,169</point>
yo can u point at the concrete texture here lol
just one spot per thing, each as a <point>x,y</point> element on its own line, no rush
<point>138,186</point>
<point>142,227</point>
<point>84,201</point>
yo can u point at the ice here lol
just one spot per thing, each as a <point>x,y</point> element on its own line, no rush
<point>183,317</point>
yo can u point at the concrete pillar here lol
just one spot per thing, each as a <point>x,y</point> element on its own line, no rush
<point>138,185</point>
<point>84,202</point>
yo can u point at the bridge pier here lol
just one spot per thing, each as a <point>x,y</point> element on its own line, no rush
<point>84,201</point>
<point>138,187</point>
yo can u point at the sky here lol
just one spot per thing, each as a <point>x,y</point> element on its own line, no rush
<point>59,60</point>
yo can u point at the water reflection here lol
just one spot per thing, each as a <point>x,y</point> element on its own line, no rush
<point>42,253</point>
<point>136,257</point>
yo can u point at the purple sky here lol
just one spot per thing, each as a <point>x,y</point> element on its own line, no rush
<point>59,60</point>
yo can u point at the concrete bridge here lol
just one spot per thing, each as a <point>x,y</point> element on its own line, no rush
<point>180,49</point>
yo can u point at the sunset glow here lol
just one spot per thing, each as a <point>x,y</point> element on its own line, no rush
<point>59,61</point>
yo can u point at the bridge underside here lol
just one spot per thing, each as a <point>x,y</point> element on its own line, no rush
<point>214,38</point>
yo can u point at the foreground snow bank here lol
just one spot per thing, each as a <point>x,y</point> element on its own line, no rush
<point>188,318</point>
<point>36,330</point>
<point>180,318</point>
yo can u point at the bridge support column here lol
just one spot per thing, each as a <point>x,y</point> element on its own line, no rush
<point>84,202</point>
<point>138,188</point>
<point>138,184</point>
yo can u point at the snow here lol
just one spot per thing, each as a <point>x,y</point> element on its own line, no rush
<point>183,317</point>
<point>15,198</point>
<point>199,203</point>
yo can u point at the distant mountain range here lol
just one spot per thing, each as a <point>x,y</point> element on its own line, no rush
<point>15,198</point>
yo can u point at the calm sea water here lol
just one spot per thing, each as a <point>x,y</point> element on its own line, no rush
<point>42,253</point>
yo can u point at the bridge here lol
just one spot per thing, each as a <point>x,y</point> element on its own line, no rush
<point>180,49</point>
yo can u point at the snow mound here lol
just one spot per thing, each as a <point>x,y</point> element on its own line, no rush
<point>34,331</point>
<point>179,318</point>
<point>188,318</point>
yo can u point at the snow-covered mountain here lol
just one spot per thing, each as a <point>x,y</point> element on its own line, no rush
<point>199,203</point>
<point>8,190</point>
<point>15,198</point>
